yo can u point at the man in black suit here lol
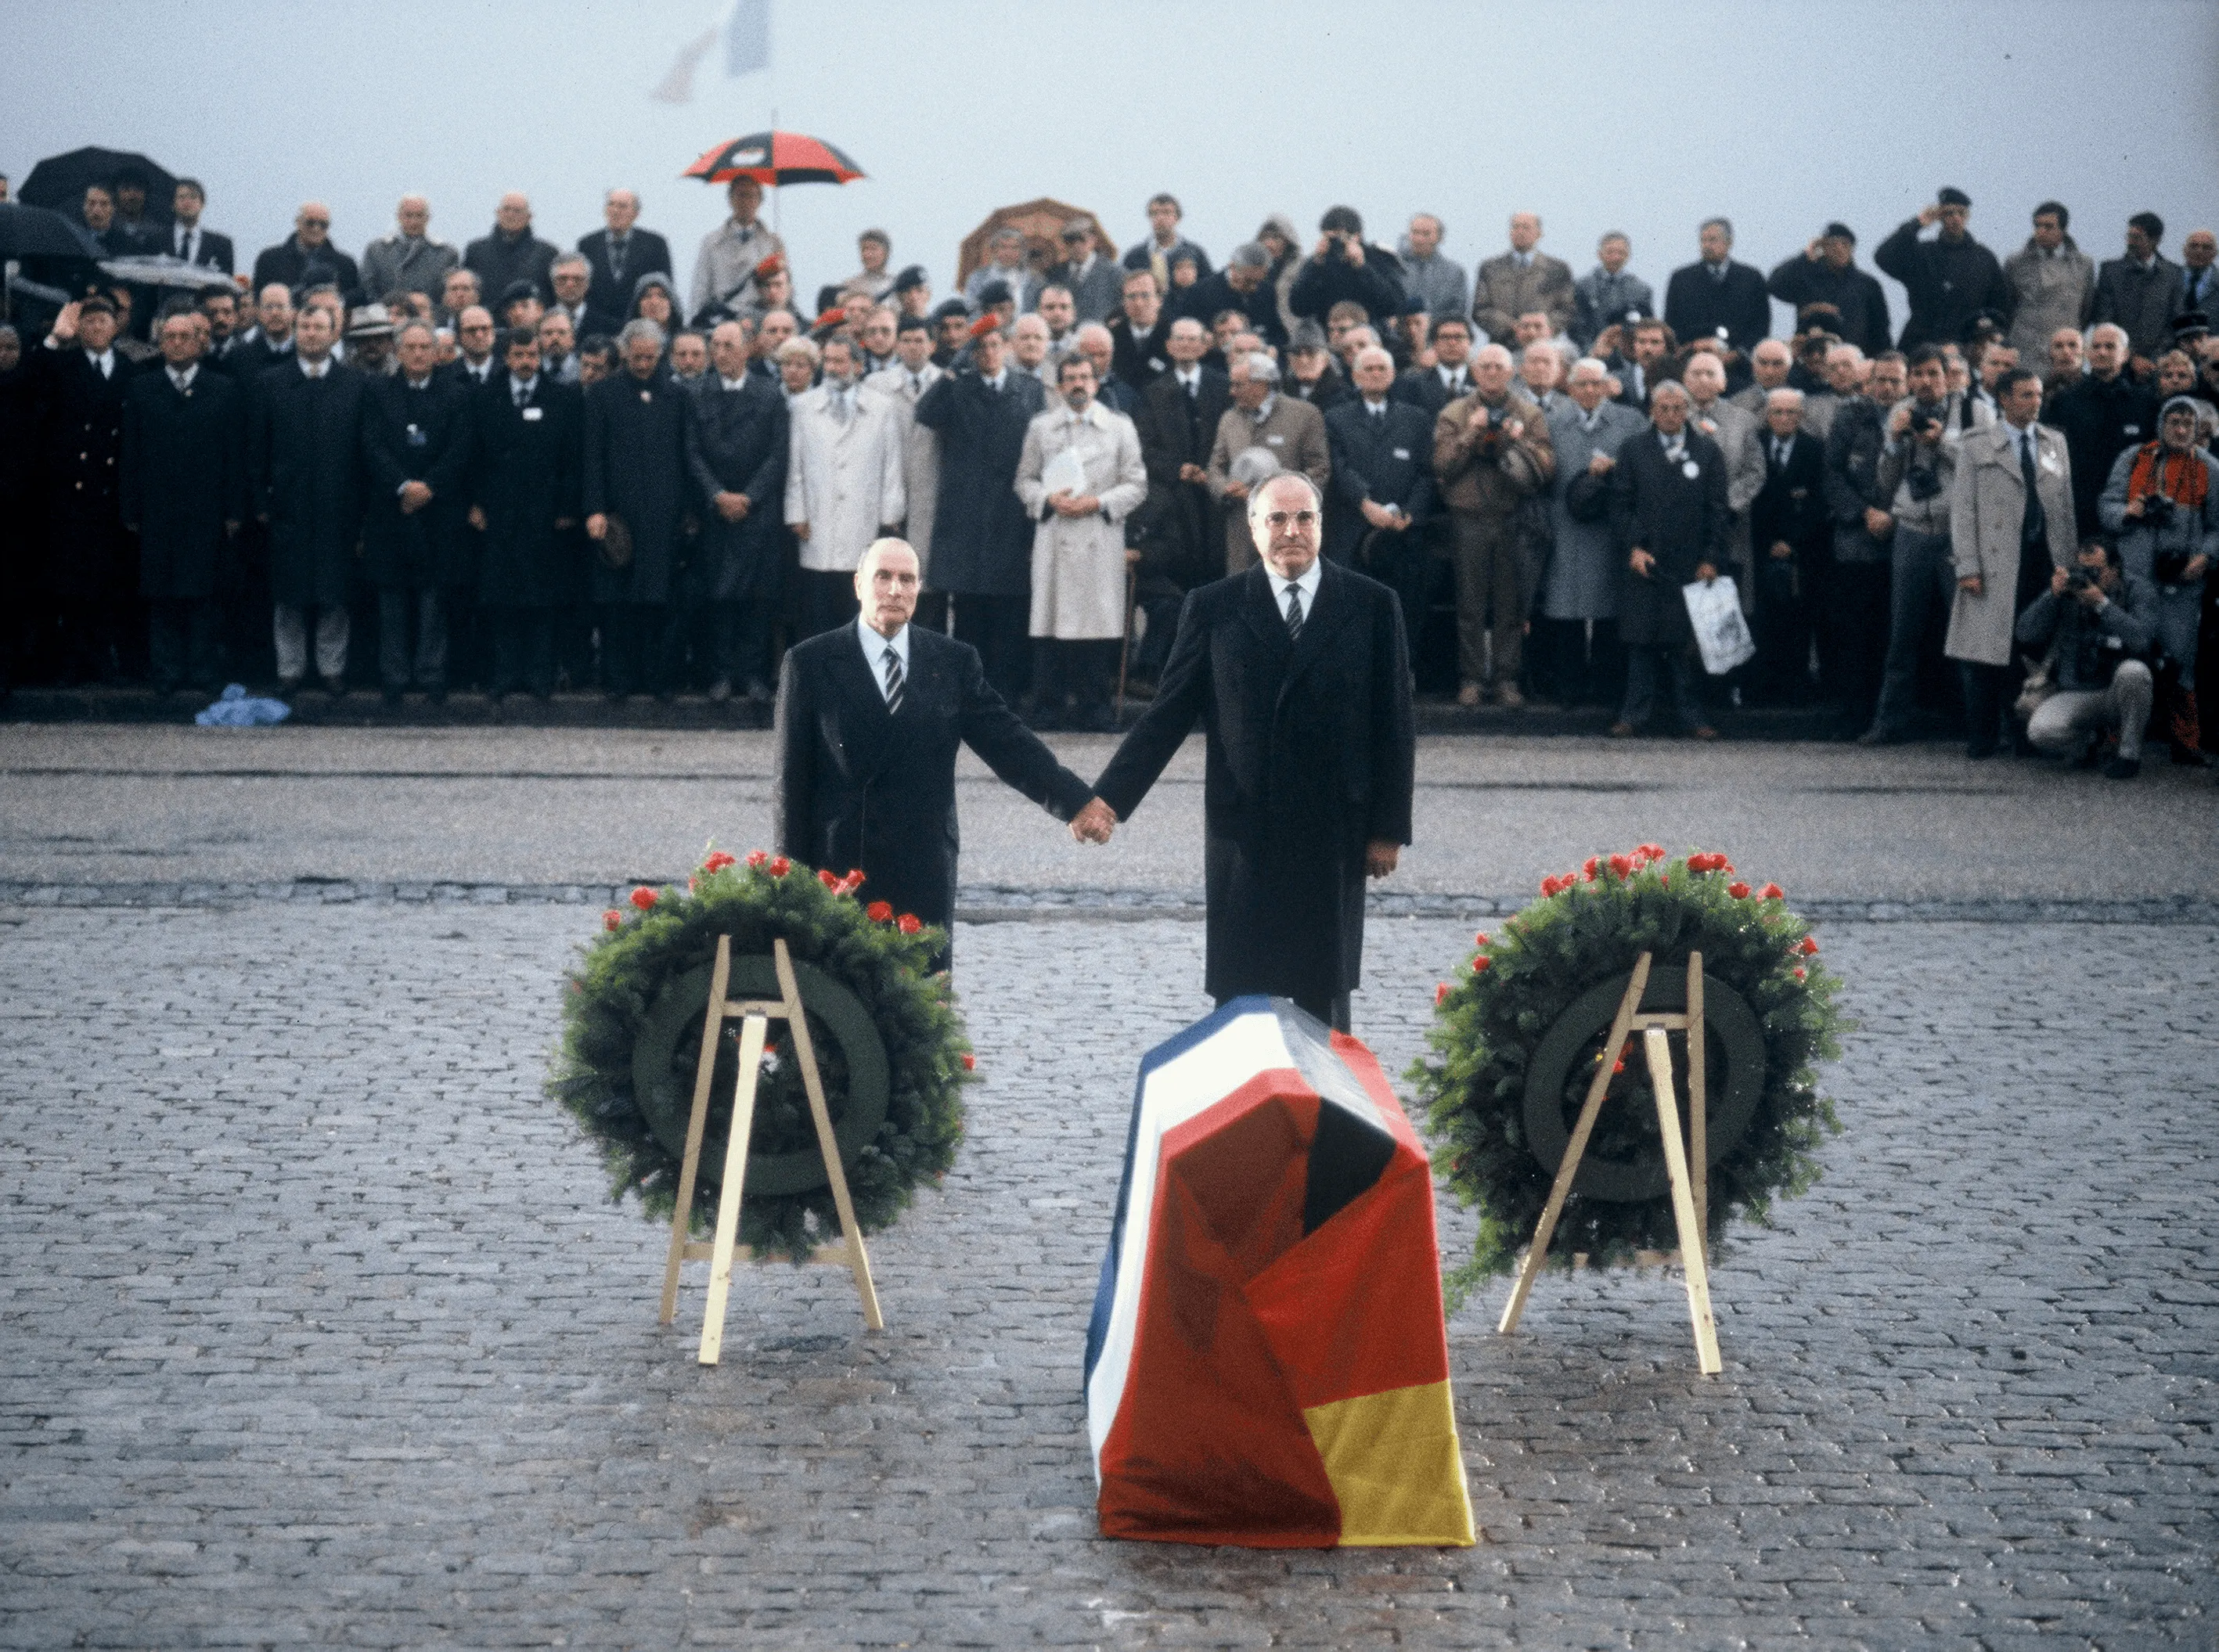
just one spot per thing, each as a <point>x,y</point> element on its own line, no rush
<point>1790,533</point>
<point>869,716</point>
<point>1381,499</point>
<point>1668,512</point>
<point>417,442</point>
<point>1717,298</point>
<point>304,466</point>
<point>307,259</point>
<point>186,239</point>
<point>635,473</point>
<point>81,379</point>
<point>184,493</point>
<point>737,435</point>
<point>1184,543</point>
<point>1244,285</point>
<point>619,256</point>
<point>511,253</point>
<point>527,434</point>
<point>1299,674</point>
<point>1138,332</point>
<point>1429,389</point>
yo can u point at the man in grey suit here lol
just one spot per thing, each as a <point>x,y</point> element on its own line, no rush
<point>408,260</point>
<point>1519,282</point>
<point>1095,281</point>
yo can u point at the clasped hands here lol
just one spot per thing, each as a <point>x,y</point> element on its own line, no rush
<point>1097,820</point>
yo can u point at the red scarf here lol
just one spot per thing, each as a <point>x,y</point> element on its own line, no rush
<point>2180,477</point>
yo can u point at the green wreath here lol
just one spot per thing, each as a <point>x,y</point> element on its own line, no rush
<point>1517,1036</point>
<point>889,1046</point>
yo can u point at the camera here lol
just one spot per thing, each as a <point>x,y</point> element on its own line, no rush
<point>2084,579</point>
<point>2157,510</point>
<point>2171,568</point>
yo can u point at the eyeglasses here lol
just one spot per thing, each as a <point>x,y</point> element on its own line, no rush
<point>315,223</point>
<point>1278,520</point>
<point>477,327</point>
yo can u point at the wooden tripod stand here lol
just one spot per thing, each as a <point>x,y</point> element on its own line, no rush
<point>1690,1190</point>
<point>755,1016</point>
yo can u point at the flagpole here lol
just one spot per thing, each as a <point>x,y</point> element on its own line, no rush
<point>773,175</point>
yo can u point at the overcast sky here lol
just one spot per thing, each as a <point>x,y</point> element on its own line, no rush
<point>1599,115</point>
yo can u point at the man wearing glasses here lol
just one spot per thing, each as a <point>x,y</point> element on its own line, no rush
<point>1299,674</point>
<point>307,259</point>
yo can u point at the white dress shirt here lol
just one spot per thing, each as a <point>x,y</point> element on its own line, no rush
<point>874,653</point>
<point>1305,587</point>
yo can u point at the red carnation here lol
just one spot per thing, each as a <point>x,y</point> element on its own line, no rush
<point>851,883</point>
<point>1654,851</point>
<point>878,912</point>
<point>1772,893</point>
<point>829,881</point>
<point>1548,887</point>
<point>970,1062</point>
<point>907,924</point>
<point>1481,963</point>
<point>1739,890</point>
<point>1621,865</point>
<point>758,858</point>
<point>612,918</point>
<point>643,898</point>
<point>718,861</point>
<point>1799,972</point>
<point>1480,940</point>
<point>1619,1069</point>
<point>780,865</point>
<point>1594,862</point>
<point>1810,944</point>
<point>1440,993</point>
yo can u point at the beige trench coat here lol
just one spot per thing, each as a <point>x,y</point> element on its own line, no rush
<point>1079,561</point>
<point>1988,503</point>
<point>920,455</point>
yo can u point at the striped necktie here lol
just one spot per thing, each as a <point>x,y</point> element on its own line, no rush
<point>893,680</point>
<point>1294,613</point>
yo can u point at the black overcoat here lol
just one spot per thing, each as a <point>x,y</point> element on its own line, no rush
<point>184,478</point>
<point>427,436</point>
<point>1184,544</point>
<point>859,788</point>
<point>81,466</point>
<point>1792,504</point>
<point>526,479</point>
<point>735,442</point>
<point>1310,755</point>
<point>304,462</point>
<point>22,510</point>
<point>982,540</point>
<point>1389,461</point>
<point>1697,304</point>
<point>1681,520</point>
<point>635,467</point>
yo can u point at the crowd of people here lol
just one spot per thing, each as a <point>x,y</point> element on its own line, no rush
<point>522,468</point>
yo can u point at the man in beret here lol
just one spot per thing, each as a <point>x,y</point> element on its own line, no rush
<point>1950,279</point>
<point>1826,274</point>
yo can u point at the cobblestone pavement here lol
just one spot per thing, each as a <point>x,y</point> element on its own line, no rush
<point>316,1329</point>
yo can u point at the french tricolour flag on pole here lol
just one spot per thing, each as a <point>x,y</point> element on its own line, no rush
<point>1267,1364</point>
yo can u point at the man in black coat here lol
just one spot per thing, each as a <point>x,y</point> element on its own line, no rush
<point>1429,389</point>
<point>307,258</point>
<point>185,238</point>
<point>184,493</point>
<point>304,466</point>
<point>86,574</point>
<point>1789,533</point>
<point>737,434</point>
<point>1242,285</point>
<point>635,476</point>
<point>869,716</point>
<point>1669,511</point>
<point>416,448</point>
<point>1380,503</point>
<point>1183,543</point>
<point>1139,330</point>
<point>619,256</point>
<point>1717,298</point>
<point>1299,674</point>
<point>2101,414</point>
<point>1950,279</point>
<point>527,435</point>
<point>982,539</point>
<point>1826,273</point>
<point>511,253</point>
<point>1344,266</point>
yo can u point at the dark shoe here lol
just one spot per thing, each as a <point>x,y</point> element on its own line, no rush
<point>720,690</point>
<point>1877,735</point>
<point>392,698</point>
<point>331,686</point>
<point>2093,754</point>
<point>1978,751</point>
<point>2123,768</point>
<point>1620,729</point>
<point>759,691</point>
<point>437,695</point>
<point>1094,719</point>
<point>288,687</point>
<point>1704,731</point>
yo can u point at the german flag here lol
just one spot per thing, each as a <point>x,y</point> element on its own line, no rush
<point>1267,1364</point>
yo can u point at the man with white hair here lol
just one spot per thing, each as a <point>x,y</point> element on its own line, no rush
<point>843,483</point>
<point>1440,283</point>
<point>1513,283</point>
<point>1490,449</point>
<point>1789,531</point>
<point>408,259</point>
<point>618,254</point>
<point>1736,430</point>
<point>1381,501</point>
<point>2100,418</point>
<point>1029,340</point>
<point>1770,364</point>
<point>1577,658</point>
<point>635,489</point>
<point>738,435</point>
<point>511,253</point>
<point>1299,670</point>
<point>1283,432</point>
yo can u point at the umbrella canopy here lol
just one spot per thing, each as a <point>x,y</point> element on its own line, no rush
<point>37,233</point>
<point>775,157</point>
<point>60,181</point>
<point>1042,222</point>
<point>162,271</point>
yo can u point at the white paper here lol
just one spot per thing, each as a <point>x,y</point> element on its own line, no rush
<point>1721,632</point>
<point>1064,473</point>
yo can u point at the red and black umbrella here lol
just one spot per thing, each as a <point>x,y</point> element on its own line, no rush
<point>775,157</point>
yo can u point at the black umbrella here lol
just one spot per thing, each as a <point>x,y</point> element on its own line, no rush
<point>34,232</point>
<point>60,181</point>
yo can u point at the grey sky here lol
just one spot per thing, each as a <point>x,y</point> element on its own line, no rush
<point>1644,117</point>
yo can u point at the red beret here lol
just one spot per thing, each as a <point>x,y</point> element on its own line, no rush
<point>769,266</point>
<point>986,324</point>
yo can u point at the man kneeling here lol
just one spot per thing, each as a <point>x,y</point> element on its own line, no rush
<point>2101,620</point>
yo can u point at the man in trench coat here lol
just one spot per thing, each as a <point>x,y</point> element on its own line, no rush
<point>1299,672</point>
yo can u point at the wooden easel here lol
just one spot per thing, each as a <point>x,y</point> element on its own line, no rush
<point>1690,1192</point>
<point>754,1014</point>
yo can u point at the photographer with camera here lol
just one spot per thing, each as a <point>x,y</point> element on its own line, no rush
<point>1343,266</point>
<point>2162,501</point>
<point>2098,621</point>
<point>1917,468</point>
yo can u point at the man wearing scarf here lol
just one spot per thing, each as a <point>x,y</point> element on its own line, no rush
<point>2162,501</point>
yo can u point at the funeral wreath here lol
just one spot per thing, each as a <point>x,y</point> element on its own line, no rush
<point>888,1043</point>
<point>1517,1034</point>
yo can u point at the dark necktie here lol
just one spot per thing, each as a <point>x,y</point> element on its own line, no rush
<point>617,256</point>
<point>520,393</point>
<point>893,680</point>
<point>2033,524</point>
<point>1294,613</point>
